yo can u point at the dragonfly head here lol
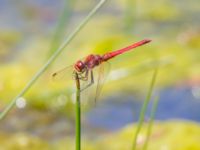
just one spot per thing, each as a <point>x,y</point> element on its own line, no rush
<point>80,66</point>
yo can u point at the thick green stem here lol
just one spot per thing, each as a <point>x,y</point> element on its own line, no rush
<point>52,58</point>
<point>149,128</point>
<point>78,113</point>
<point>144,108</point>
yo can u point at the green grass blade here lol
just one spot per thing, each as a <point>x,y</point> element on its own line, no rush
<point>52,58</point>
<point>130,13</point>
<point>61,26</point>
<point>150,125</point>
<point>144,108</point>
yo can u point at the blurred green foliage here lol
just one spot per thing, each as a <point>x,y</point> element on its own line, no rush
<point>172,25</point>
<point>173,135</point>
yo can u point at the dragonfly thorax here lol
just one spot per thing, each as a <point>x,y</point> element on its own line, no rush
<point>92,61</point>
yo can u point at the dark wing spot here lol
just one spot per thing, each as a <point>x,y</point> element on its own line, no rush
<point>54,74</point>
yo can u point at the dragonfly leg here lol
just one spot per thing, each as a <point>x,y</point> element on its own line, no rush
<point>84,77</point>
<point>91,82</point>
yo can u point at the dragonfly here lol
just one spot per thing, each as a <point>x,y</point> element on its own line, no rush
<point>84,68</point>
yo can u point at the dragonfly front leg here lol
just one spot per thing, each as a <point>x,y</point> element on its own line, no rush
<point>84,76</point>
<point>91,82</point>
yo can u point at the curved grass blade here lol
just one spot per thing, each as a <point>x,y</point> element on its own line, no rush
<point>52,58</point>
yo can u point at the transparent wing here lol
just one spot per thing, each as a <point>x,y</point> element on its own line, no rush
<point>91,94</point>
<point>103,71</point>
<point>63,73</point>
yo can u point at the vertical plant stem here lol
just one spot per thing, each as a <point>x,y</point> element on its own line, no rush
<point>144,108</point>
<point>150,125</point>
<point>52,58</point>
<point>78,113</point>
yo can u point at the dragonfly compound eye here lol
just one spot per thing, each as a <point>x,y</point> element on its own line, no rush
<point>79,66</point>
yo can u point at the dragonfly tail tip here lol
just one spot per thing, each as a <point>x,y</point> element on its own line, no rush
<point>147,40</point>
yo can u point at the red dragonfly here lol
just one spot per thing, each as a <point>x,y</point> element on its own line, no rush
<point>84,68</point>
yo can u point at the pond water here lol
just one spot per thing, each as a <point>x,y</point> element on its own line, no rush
<point>174,103</point>
<point>108,115</point>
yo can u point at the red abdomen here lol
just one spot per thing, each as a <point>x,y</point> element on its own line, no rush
<point>110,55</point>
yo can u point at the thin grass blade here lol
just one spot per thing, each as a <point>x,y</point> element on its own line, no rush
<point>144,108</point>
<point>150,125</point>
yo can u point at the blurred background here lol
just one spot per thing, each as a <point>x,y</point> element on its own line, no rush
<point>31,31</point>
